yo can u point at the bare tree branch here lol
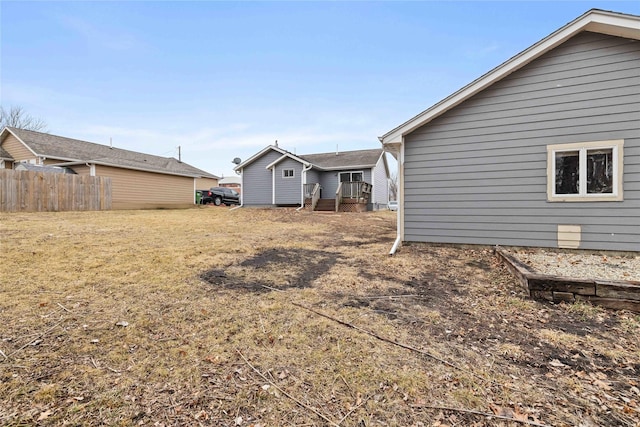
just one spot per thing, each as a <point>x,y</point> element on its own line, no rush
<point>393,186</point>
<point>17,117</point>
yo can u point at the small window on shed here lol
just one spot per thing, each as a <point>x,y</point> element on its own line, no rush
<point>287,173</point>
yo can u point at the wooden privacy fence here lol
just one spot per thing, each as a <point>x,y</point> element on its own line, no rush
<point>29,191</point>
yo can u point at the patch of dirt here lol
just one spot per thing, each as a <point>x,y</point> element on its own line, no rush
<point>289,268</point>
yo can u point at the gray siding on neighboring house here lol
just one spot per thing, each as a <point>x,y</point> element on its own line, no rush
<point>477,174</point>
<point>256,180</point>
<point>288,190</point>
<point>380,183</point>
<point>313,176</point>
<point>328,184</point>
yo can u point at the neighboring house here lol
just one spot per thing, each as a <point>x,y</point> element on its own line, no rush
<point>138,180</point>
<point>543,150</point>
<point>232,182</point>
<point>348,180</point>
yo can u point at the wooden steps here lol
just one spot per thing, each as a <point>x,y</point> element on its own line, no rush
<point>326,205</point>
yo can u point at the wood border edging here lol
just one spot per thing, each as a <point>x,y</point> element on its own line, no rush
<point>610,294</point>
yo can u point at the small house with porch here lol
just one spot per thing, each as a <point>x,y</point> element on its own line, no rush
<point>347,181</point>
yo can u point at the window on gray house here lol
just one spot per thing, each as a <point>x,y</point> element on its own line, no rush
<point>567,172</point>
<point>287,173</point>
<point>599,171</point>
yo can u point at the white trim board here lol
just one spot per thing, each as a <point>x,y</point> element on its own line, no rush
<point>595,20</point>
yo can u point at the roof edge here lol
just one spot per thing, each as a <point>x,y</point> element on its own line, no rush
<point>8,129</point>
<point>595,20</point>
<point>258,155</point>
<point>139,169</point>
<point>290,156</point>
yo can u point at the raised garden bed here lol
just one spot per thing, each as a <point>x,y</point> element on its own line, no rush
<point>616,294</point>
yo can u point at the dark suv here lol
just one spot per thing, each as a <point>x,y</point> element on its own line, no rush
<point>224,195</point>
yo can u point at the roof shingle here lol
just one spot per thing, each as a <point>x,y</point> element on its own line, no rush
<point>74,150</point>
<point>344,159</point>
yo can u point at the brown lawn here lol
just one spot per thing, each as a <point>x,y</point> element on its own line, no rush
<point>275,317</point>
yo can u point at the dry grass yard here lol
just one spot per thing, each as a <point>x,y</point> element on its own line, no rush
<point>280,318</point>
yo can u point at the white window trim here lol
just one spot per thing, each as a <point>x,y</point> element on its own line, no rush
<point>293,173</point>
<point>351,174</point>
<point>582,147</point>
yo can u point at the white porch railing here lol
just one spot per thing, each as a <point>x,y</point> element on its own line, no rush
<point>356,190</point>
<point>315,196</point>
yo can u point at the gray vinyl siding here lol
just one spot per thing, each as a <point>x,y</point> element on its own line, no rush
<point>288,190</point>
<point>313,176</point>
<point>328,184</point>
<point>257,182</point>
<point>329,181</point>
<point>477,174</point>
<point>380,183</point>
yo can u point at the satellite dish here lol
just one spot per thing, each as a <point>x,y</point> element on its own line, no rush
<point>236,161</point>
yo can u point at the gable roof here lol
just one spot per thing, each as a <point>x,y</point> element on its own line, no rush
<point>266,149</point>
<point>345,159</point>
<point>595,20</point>
<point>322,161</point>
<point>73,151</point>
<point>287,155</point>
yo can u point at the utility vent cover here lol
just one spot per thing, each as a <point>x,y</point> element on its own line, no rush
<point>569,236</point>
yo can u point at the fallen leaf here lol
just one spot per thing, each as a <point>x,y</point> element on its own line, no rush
<point>122,323</point>
<point>603,385</point>
<point>500,411</point>
<point>202,415</point>
<point>520,416</point>
<point>212,359</point>
<point>556,363</point>
<point>44,415</point>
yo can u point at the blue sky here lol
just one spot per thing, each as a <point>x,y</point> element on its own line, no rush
<point>225,79</point>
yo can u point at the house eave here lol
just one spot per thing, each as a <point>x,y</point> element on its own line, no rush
<point>114,165</point>
<point>258,155</point>
<point>346,167</point>
<point>6,129</point>
<point>599,21</point>
<point>287,156</point>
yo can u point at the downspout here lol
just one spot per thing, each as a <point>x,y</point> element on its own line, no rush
<point>92,169</point>
<point>400,198</point>
<point>304,181</point>
<point>241,190</point>
<point>273,185</point>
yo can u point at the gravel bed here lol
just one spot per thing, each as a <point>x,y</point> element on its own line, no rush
<point>582,265</point>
